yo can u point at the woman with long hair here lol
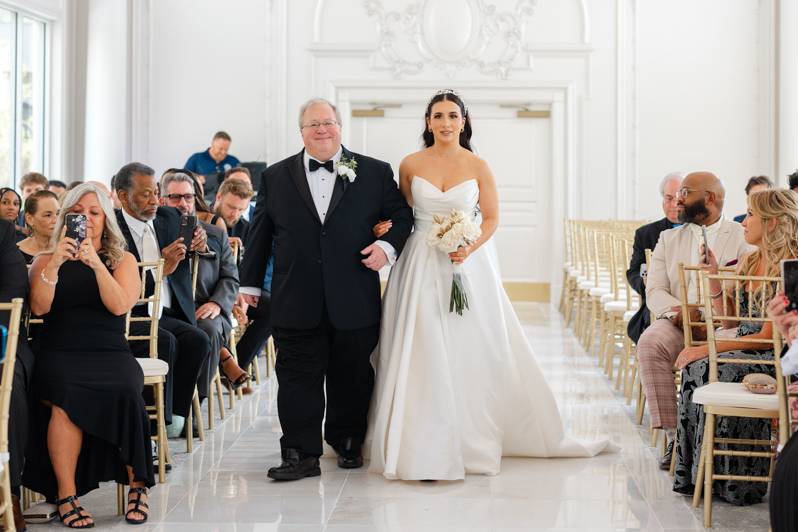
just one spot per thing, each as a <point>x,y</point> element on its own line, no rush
<point>771,225</point>
<point>456,391</point>
<point>90,423</point>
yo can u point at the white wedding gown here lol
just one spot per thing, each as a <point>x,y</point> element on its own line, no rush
<point>454,393</point>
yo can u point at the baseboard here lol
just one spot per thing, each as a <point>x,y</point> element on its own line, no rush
<point>520,291</point>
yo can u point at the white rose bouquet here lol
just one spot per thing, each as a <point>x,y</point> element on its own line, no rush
<point>447,234</point>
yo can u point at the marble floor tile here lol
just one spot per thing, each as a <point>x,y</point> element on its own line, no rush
<point>222,486</point>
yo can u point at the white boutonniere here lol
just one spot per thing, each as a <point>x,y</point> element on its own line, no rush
<point>346,169</point>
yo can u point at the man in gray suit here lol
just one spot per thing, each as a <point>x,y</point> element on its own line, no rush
<point>217,281</point>
<point>701,198</point>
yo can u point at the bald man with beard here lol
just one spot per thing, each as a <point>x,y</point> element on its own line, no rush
<point>700,199</point>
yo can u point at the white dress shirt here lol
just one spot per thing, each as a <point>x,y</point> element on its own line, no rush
<point>322,183</point>
<point>695,255</point>
<point>137,229</point>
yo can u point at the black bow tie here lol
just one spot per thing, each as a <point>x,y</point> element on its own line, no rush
<point>314,165</point>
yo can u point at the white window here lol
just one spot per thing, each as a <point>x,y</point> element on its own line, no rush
<point>23,82</point>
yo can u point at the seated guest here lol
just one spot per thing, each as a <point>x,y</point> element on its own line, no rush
<point>73,184</point>
<point>56,187</point>
<point>232,201</point>
<point>792,180</point>
<point>41,215</point>
<point>114,197</point>
<point>242,174</point>
<point>14,283</point>
<point>217,285</point>
<point>90,424</point>
<point>213,162</point>
<point>772,226</point>
<point>10,207</point>
<point>151,233</point>
<point>700,204</point>
<point>755,184</point>
<point>784,485</point>
<point>201,209</point>
<point>28,184</point>
<point>646,237</point>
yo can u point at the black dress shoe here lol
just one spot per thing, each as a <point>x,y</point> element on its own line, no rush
<point>295,466</point>
<point>349,455</point>
<point>665,462</point>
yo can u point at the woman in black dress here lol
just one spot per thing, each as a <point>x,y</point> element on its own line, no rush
<point>91,424</point>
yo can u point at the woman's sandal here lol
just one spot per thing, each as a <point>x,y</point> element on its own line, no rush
<point>241,380</point>
<point>137,506</point>
<point>76,511</point>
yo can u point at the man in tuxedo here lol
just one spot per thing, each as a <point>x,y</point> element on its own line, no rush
<point>14,283</point>
<point>325,287</point>
<point>646,237</point>
<point>217,279</point>
<point>701,199</point>
<point>152,233</point>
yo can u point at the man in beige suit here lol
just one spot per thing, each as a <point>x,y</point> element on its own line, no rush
<point>700,204</point>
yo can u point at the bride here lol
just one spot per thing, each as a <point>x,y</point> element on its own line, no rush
<point>454,393</point>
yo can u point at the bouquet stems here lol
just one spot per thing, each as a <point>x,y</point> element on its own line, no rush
<point>458,299</point>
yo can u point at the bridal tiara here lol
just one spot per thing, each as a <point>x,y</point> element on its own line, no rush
<point>455,93</point>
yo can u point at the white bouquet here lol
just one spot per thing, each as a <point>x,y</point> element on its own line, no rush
<point>447,234</point>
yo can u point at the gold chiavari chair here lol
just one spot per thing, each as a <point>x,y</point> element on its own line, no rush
<point>196,409</point>
<point>6,384</point>
<point>637,385</point>
<point>155,370</point>
<point>731,398</point>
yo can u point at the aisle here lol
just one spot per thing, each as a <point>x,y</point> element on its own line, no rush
<point>223,485</point>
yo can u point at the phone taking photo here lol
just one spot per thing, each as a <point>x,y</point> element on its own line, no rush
<point>75,227</point>
<point>187,224</point>
<point>789,273</point>
<point>706,244</point>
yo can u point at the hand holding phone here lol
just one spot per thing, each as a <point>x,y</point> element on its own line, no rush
<point>75,227</point>
<point>187,224</point>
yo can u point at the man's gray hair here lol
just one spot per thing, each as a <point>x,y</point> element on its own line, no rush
<point>314,101</point>
<point>175,177</point>
<point>673,176</point>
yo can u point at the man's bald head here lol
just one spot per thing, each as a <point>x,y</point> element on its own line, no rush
<point>704,198</point>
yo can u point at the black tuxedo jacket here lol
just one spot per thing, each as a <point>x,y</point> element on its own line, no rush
<point>317,265</point>
<point>646,237</point>
<point>14,283</point>
<point>167,230</point>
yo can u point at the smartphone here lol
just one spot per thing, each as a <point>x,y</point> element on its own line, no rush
<point>3,338</point>
<point>75,227</point>
<point>187,224</point>
<point>789,273</point>
<point>706,244</point>
<point>643,270</point>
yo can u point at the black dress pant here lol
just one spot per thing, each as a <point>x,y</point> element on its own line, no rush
<point>185,348</point>
<point>218,330</point>
<point>258,331</point>
<point>304,359</point>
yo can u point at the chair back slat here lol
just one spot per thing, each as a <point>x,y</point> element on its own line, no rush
<point>153,301</point>
<point>6,382</point>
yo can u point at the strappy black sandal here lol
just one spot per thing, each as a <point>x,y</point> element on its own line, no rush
<point>240,381</point>
<point>137,506</point>
<point>76,511</point>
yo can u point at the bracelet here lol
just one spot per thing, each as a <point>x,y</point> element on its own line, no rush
<point>46,280</point>
<point>717,296</point>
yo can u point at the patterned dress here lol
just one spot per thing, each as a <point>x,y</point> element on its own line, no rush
<point>690,424</point>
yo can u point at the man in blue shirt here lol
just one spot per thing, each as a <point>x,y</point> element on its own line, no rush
<point>213,162</point>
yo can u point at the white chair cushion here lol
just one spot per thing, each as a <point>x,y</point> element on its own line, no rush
<point>733,394</point>
<point>586,284</point>
<point>611,297</point>
<point>153,367</point>
<point>628,315</point>
<point>599,291</point>
<point>615,306</point>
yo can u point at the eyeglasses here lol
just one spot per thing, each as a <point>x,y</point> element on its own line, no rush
<point>177,197</point>
<point>317,125</point>
<point>684,192</point>
<point>668,198</point>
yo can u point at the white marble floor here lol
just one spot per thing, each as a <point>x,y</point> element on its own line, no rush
<point>222,486</point>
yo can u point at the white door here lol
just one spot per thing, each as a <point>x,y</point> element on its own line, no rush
<point>518,151</point>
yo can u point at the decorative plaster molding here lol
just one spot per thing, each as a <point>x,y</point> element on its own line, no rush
<point>476,35</point>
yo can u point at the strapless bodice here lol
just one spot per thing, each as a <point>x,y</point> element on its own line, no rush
<point>429,200</point>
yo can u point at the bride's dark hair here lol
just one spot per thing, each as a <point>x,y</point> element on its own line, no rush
<point>450,96</point>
